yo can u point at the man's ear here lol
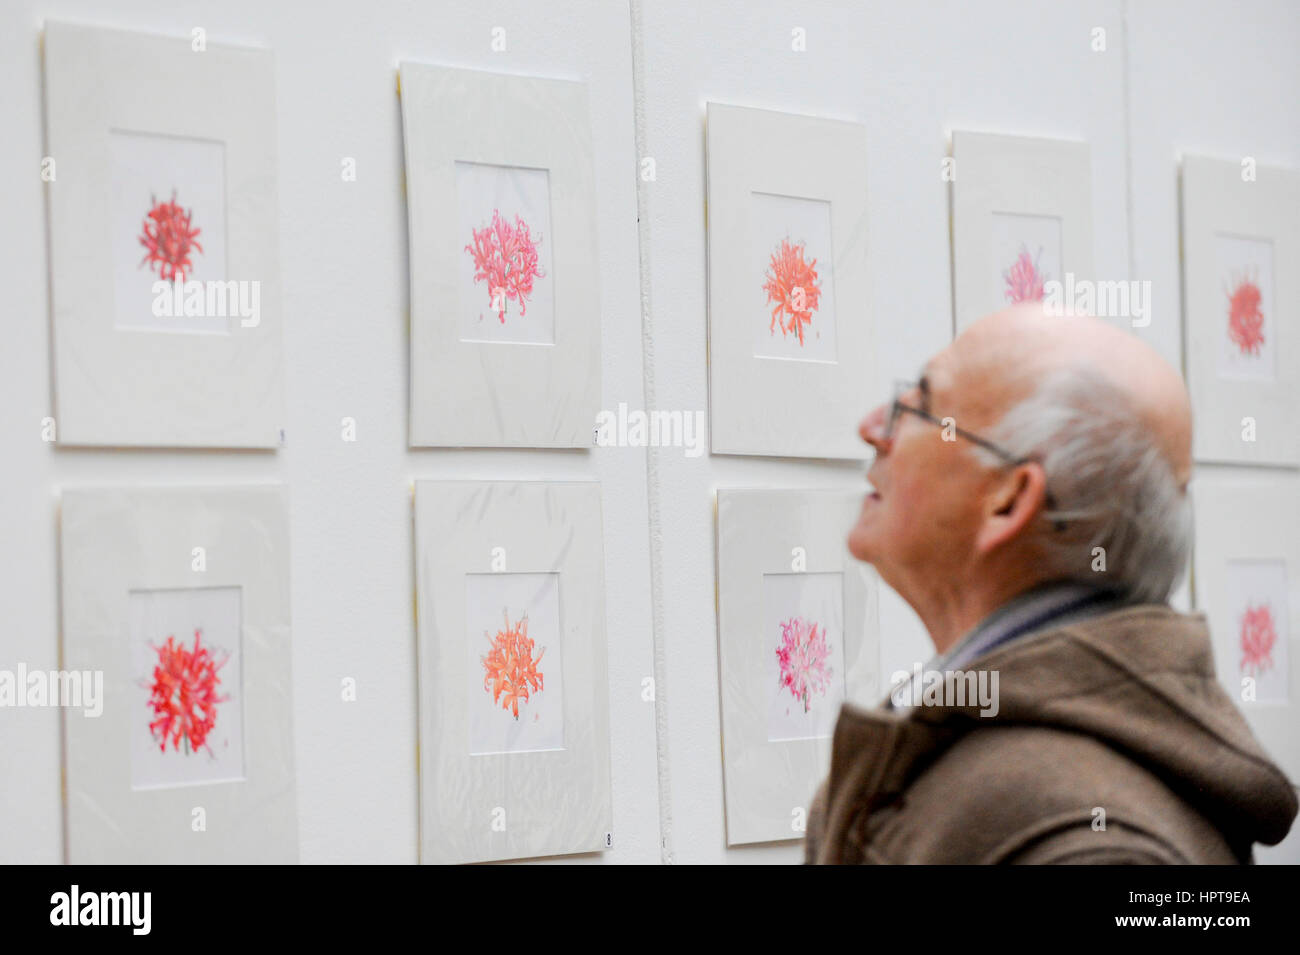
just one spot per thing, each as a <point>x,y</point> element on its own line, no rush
<point>1012,504</point>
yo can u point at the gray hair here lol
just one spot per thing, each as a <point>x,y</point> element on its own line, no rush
<point>1111,485</point>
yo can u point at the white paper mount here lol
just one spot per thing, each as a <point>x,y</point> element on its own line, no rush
<point>791,354</point>
<point>129,115</point>
<point>490,555</point>
<point>178,547</point>
<point>1241,295</point>
<point>1022,217</point>
<point>501,165</point>
<point>785,577</point>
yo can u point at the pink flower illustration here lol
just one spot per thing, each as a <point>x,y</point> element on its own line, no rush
<point>1258,636</point>
<point>805,660</point>
<point>1245,320</point>
<point>1024,280</point>
<point>505,256</point>
<point>792,286</point>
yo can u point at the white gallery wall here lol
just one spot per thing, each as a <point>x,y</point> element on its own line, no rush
<point>1214,77</point>
<point>343,252</point>
<point>1220,80</point>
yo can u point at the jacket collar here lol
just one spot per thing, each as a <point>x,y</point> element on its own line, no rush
<point>874,755</point>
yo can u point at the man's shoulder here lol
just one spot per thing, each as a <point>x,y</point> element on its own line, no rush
<point>1028,793</point>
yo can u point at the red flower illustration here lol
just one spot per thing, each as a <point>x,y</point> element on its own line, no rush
<point>505,256</point>
<point>805,657</point>
<point>1258,636</point>
<point>1245,320</point>
<point>169,239</point>
<point>1024,280</point>
<point>183,696</point>
<point>511,670</point>
<point>792,285</point>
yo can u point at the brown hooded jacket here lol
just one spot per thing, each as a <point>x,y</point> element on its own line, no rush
<point>1115,721</point>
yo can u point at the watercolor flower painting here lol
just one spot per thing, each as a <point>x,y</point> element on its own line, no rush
<point>511,672</point>
<point>506,258</point>
<point>170,240</point>
<point>793,289</point>
<point>1024,279</point>
<point>1258,637</point>
<point>1245,320</point>
<point>183,695</point>
<point>804,657</point>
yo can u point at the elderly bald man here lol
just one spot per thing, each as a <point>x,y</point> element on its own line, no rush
<point>1030,503</point>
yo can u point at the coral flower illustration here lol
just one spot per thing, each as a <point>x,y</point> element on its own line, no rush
<point>1245,320</point>
<point>511,670</point>
<point>792,288</point>
<point>1024,279</point>
<point>183,695</point>
<point>805,657</point>
<point>170,240</point>
<point>505,256</point>
<point>1258,636</point>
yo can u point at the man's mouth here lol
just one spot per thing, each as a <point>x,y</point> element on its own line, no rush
<point>872,494</point>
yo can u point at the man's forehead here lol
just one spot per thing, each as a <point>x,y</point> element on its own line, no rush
<point>966,379</point>
<point>937,373</point>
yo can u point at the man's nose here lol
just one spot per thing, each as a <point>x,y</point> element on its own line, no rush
<point>872,428</point>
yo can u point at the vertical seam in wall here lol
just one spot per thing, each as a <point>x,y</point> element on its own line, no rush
<point>1128,146</point>
<point>653,496</point>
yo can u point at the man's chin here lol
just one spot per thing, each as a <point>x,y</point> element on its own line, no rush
<point>861,544</point>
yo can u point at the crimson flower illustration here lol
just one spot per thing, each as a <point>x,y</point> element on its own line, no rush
<point>792,288</point>
<point>1258,636</point>
<point>805,657</point>
<point>511,670</point>
<point>1024,280</point>
<point>183,694</point>
<point>505,256</point>
<point>1245,320</point>
<point>170,240</point>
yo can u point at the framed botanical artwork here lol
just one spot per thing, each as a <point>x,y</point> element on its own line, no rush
<point>513,687</point>
<point>180,598</point>
<point>163,217</point>
<point>790,326</point>
<point>797,638</point>
<point>505,291</point>
<point>1247,583</point>
<point>1021,222</point>
<point>1241,295</point>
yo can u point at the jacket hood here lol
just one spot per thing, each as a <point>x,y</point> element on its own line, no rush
<point>1142,680</point>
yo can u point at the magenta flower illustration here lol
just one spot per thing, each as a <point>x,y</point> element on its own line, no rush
<point>1258,636</point>
<point>1245,320</point>
<point>505,257</point>
<point>169,239</point>
<point>792,288</point>
<point>1024,280</point>
<point>805,657</point>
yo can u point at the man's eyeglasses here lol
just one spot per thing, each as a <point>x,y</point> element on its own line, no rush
<point>900,407</point>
